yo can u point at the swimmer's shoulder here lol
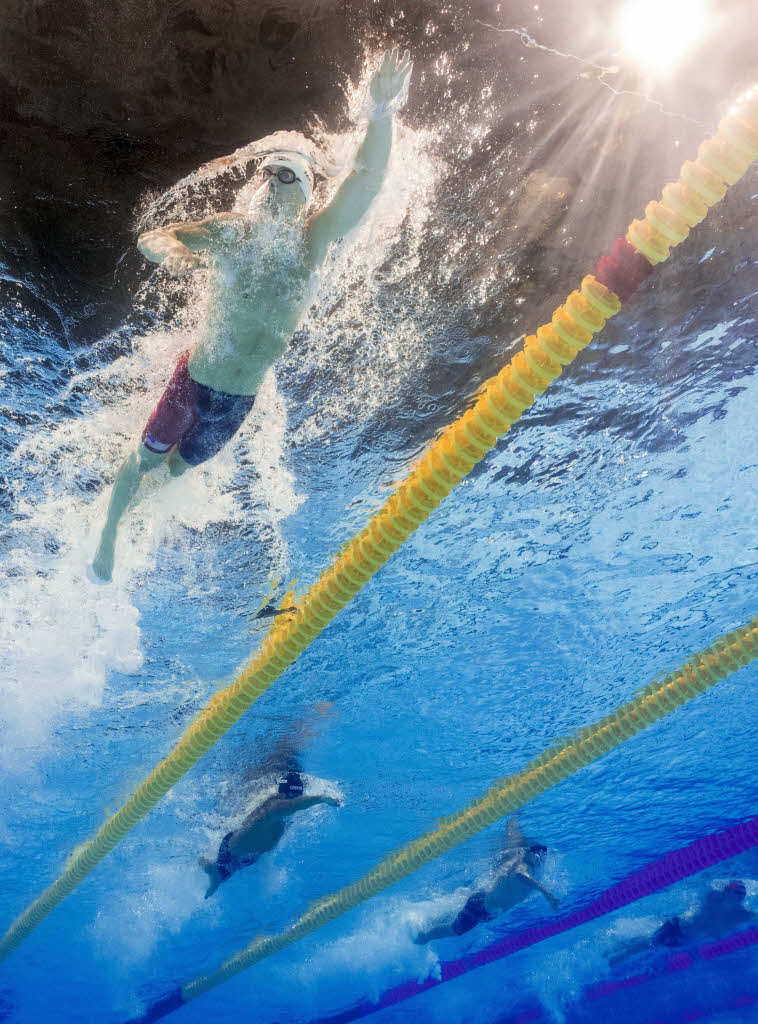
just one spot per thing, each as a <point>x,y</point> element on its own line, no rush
<point>224,229</point>
<point>232,226</point>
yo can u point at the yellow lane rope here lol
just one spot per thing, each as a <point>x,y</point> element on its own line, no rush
<point>447,460</point>
<point>703,670</point>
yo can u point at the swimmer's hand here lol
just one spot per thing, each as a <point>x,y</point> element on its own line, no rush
<point>388,81</point>
<point>181,263</point>
<point>332,801</point>
<point>219,163</point>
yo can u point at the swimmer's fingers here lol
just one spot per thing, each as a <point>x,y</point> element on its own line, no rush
<point>400,70</point>
<point>380,79</point>
<point>391,76</point>
<point>405,66</point>
<point>215,166</point>
<point>398,65</point>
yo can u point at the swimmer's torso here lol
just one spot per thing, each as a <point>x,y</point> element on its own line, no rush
<point>258,290</point>
<point>509,889</point>
<point>259,837</point>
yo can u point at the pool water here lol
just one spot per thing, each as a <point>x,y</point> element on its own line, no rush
<point>610,535</point>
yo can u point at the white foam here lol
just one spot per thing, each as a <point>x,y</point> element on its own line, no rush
<point>61,636</point>
<point>167,896</point>
<point>378,952</point>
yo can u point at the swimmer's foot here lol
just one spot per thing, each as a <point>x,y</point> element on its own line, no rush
<point>102,563</point>
<point>269,611</point>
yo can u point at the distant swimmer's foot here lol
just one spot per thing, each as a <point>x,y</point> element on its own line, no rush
<point>268,611</point>
<point>102,564</point>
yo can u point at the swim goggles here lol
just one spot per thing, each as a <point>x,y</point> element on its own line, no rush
<point>285,174</point>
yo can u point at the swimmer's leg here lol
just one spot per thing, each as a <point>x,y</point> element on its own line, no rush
<point>176,464</point>
<point>125,487</point>
<point>441,931</point>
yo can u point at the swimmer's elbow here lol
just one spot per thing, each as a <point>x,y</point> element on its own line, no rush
<point>155,244</point>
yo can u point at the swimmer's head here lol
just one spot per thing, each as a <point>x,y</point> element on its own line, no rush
<point>537,852</point>
<point>734,891</point>
<point>291,786</point>
<point>285,183</point>
<point>290,149</point>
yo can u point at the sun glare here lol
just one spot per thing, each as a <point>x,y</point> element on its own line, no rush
<point>658,33</point>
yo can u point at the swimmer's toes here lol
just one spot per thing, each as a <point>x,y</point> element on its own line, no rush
<point>101,569</point>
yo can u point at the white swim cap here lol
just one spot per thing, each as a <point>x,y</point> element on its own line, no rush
<point>293,149</point>
<point>299,166</point>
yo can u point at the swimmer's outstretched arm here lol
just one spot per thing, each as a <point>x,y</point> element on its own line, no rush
<point>301,803</point>
<point>360,188</point>
<point>549,896</point>
<point>175,245</point>
<point>281,807</point>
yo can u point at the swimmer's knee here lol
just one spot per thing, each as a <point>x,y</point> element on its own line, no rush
<point>145,460</point>
<point>176,464</point>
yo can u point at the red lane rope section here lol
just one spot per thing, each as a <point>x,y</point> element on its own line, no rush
<point>623,270</point>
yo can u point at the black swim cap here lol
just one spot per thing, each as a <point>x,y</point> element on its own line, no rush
<point>538,849</point>
<point>291,786</point>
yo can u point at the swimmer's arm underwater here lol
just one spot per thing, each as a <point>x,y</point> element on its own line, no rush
<point>360,188</point>
<point>285,808</point>
<point>280,807</point>
<point>175,245</point>
<point>549,896</point>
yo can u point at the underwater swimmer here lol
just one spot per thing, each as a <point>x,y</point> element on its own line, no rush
<point>265,825</point>
<point>260,831</point>
<point>721,911</point>
<point>512,882</point>
<point>258,295</point>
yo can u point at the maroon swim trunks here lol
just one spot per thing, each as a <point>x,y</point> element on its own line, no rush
<point>199,419</point>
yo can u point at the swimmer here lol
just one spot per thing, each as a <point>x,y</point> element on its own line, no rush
<point>265,825</point>
<point>260,831</point>
<point>257,296</point>
<point>721,911</point>
<point>513,881</point>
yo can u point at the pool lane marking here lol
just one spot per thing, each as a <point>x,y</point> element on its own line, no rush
<point>702,671</point>
<point>674,963</point>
